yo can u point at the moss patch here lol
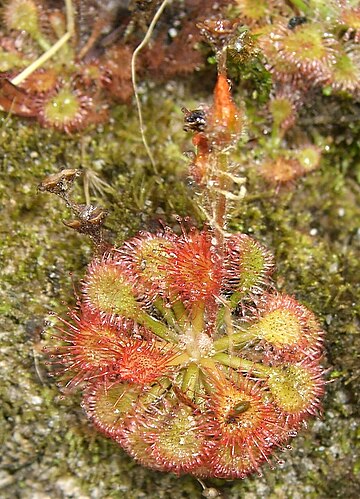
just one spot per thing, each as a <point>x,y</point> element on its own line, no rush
<point>50,449</point>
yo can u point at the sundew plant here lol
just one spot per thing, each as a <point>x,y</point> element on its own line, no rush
<point>185,352</point>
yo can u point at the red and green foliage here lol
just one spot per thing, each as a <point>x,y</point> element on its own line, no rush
<point>186,353</point>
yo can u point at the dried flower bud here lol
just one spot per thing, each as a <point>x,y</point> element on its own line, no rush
<point>225,120</point>
<point>91,218</point>
<point>218,32</point>
<point>60,183</point>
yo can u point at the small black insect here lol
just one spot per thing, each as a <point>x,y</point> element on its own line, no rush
<point>296,21</point>
<point>194,121</point>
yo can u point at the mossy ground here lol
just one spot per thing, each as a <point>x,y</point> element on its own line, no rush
<point>313,227</point>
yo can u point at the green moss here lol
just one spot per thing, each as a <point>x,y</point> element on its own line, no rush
<point>312,228</point>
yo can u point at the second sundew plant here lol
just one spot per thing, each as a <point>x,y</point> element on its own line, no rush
<point>186,354</point>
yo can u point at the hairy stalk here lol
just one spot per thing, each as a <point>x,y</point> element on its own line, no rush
<point>180,312</point>
<point>198,320</point>
<point>242,364</point>
<point>190,380</point>
<point>166,312</point>
<point>155,326</point>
